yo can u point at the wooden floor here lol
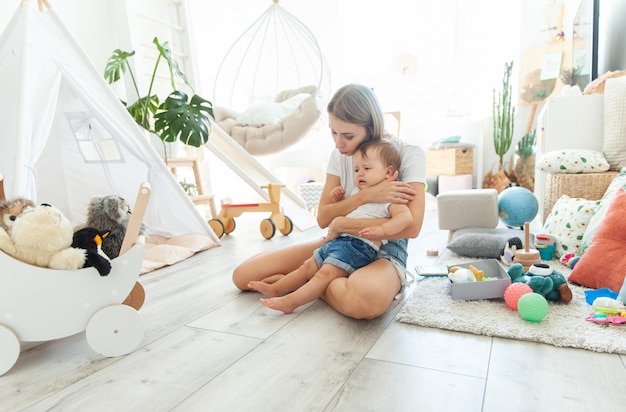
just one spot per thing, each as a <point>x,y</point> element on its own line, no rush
<point>209,347</point>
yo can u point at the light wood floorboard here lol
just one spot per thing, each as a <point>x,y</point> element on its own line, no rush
<point>210,347</point>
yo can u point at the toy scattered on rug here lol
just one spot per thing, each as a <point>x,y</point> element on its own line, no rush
<point>508,251</point>
<point>570,260</point>
<point>543,280</point>
<point>110,214</point>
<point>90,240</point>
<point>608,307</point>
<point>459,274</point>
<point>11,209</point>
<point>42,236</point>
<point>530,305</point>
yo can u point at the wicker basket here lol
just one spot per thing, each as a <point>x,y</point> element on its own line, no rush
<point>450,161</point>
<point>590,186</point>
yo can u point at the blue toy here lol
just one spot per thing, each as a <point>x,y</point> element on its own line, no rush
<point>516,206</point>
<point>543,280</point>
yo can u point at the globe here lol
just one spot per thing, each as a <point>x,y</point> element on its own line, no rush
<point>516,206</point>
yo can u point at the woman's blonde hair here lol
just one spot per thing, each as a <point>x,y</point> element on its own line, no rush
<point>357,104</point>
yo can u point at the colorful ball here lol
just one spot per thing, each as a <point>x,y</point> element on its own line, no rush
<point>513,292</point>
<point>532,307</point>
<point>517,205</point>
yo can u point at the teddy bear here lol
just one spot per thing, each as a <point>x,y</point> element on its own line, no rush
<point>543,280</point>
<point>42,236</point>
<point>110,214</point>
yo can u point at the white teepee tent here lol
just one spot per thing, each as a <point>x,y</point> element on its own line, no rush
<point>66,137</point>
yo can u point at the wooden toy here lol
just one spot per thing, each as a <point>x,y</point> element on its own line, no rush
<point>225,222</point>
<point>527,257</point>
<point>40,304</point>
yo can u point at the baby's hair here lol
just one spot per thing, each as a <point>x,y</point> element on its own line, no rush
<point>357,104</point>
<point>387,152</point>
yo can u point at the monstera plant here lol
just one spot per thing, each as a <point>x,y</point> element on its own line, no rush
<point>178,117</point>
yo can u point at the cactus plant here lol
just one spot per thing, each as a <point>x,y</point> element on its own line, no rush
<point>503,115</point>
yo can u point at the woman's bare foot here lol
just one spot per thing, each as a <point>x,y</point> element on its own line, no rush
<point>279,303</point>
<point>266,289</point>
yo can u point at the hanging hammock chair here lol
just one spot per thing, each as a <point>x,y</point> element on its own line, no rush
<point>266,87</point>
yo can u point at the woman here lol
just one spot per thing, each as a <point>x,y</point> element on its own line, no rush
<point>355,116</point>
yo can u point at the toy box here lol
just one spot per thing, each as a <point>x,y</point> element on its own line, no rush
<point>486,289</point>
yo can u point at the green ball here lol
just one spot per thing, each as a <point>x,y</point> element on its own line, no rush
<point>532,307</point>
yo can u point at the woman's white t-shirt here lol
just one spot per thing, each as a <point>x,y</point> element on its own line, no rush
<point>412,169</point>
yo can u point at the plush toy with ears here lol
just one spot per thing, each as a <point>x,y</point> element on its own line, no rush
<point>42,236</point>
<point>543,280</point>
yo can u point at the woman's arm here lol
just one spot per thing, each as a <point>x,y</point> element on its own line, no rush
<point>387,191</point>
<point>416,206</point>
<point>400,218</point>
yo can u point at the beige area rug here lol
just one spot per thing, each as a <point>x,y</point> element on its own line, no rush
<point>431,305</point>
<point>160,251</point>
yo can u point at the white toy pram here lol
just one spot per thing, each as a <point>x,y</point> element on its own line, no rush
<point>39,304</point>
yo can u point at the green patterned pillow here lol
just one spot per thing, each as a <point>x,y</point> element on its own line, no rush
<point>568,221</point>
<point>573,161</point>
<point>618,182</point>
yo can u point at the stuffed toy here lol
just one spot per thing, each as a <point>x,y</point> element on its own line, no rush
<point>508,251</point>
<point>90,239</point>
<point>543,280</point>
<point>42,236</point>
<point>10,210</point>
<point>110,214</point>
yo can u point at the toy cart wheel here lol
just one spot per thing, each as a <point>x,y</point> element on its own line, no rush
<point>218,227</point>
<point>288,227</point>
<point>10,345</point>
<point>230,225</point>
<point>115,330</point>
<point>268,228</point>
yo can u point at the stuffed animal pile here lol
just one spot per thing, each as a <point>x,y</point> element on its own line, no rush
<point>543,280</point>
<point>42,236</point>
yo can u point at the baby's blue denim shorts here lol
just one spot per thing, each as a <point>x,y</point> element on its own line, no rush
<point>346,252</point>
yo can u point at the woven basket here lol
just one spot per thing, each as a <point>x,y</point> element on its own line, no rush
<point>498,180</point>
<point>590,186</point>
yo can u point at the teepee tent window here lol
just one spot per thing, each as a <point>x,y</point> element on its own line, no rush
<point>277,52</point>
<point>95,143</point>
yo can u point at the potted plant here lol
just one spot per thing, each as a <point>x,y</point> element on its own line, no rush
<point>503,115</point>
<point>178,117</point>
<point>525,162</point>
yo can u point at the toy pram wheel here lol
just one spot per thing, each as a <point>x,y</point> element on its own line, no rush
<point>229,227</point>
<point>288,227</point>
<point>115,330</point>
<point>268,228</point>
<point>10,345</point>
<point>218,227</point>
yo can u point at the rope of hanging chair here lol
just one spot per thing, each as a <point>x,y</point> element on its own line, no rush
<point>275,24</point>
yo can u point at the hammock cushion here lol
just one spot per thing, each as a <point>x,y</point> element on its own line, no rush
<point>274,127</point>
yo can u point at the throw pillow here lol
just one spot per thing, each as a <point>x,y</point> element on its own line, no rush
<point>483,243</point>
<point>262,114</point>
<point>614,143</point>
<point>568,221</point>
<point>602,266</point>
<point>618,183</point>
<point>573,161</point>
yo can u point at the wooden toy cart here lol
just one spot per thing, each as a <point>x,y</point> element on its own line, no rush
<point>39,304</point>
<point>225,222</point>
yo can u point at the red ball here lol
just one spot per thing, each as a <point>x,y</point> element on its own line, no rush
<point>513,292</point>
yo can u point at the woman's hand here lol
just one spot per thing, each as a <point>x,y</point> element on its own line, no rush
<point>389,191</point>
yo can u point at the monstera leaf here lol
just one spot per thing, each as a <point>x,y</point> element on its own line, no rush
<point>187,121</point>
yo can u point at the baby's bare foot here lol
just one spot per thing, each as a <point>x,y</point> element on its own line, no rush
<point>265,288</point>
<point>278,304</point>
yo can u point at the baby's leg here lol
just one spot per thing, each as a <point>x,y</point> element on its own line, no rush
<point>308,292</point>
<point>287,283</point>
